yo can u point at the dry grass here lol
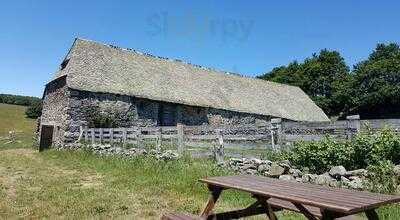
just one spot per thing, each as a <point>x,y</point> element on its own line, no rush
<point>12,118</point>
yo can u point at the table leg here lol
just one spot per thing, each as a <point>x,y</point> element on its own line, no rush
<point>253,209</point>
<point>305,211</point>
<point>371,214</point>
<point>269,210</point>
<point>214,195</point>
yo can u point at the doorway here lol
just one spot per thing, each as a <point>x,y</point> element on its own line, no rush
<point>166,114</point>
<point>46,137</point>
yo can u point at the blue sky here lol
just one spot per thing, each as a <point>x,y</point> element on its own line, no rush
<point>249,37</point>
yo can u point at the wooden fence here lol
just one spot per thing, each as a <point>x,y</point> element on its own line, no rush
<point>273,135</point>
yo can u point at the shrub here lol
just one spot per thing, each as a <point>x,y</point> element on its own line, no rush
<point>319,156</point>
<point>106,118</point>
<point>371,148</point>
<point>366,148</point>
<point>34,111</point>
<point>381,177</point>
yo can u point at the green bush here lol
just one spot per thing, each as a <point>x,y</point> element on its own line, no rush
<point>365,149</point>
<point>34,111</point>
<point>107,118</point>
<point>319,156</point>
<point>381,177</point>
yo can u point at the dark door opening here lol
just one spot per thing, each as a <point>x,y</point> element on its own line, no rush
<point>167,115</point>
<point>46,137</point>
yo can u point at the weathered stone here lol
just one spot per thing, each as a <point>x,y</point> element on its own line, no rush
<point>344,179</point>
<point>276,170</point>
<point>356,183</point>
<point>262,168</point>
<point>323,179</point>
<point>359,172</point>
<point>396,170</point>
<point>286,177</point>
<point>337,171</point>
<point>286,164</point>
<point>295,172</point>
<point>268,162</point>
<point>256,161</point>
<point>249,166</point>
<point>251,172</point>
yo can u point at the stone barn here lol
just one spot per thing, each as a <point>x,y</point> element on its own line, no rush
<point>147,90</point>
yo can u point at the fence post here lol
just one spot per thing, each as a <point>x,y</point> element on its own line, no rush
<point>276,130</point>
<point>111,135</point>
<point>81,131</point>
<point>85,133</point>
<point>138,136</point>
<point>180,133</point>
<point>159,140</point>
<point>219,147</point>
<point>92,133</point>
<point>124,137</point>
<point>101,135</point>
<point>353,125</point>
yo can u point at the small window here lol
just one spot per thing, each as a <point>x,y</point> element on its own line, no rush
<point>64,64</point>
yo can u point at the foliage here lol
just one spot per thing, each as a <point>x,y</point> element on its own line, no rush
<point>375,86</point>
<point>319,156</point>
<point>18,99</point>
<point>366,148</point>
<point>107,118</point>
<point>371,89</point>
<point>34,110</point>
<point>319,76</point>
<point>381,177</point>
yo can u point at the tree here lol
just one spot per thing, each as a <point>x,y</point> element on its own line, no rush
<point>375,87</point>
<point>35,110</point>
<point>320,76</point>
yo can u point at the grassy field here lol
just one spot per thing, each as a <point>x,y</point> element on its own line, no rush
<point>12,118</point>
<point>77,184</point>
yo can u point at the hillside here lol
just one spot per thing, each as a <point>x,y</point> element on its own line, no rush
<point>12,117</point>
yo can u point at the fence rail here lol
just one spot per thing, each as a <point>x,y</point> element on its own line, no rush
<point>272,135</point>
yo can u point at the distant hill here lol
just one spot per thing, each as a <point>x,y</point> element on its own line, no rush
<point>19,99</point>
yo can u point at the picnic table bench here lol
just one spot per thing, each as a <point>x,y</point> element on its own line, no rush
<point>313,201</point>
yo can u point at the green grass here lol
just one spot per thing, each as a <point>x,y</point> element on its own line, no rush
<point>78,184</point>
<point>12,118</point>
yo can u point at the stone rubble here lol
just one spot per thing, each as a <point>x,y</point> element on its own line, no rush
<point>337,176</point>
<point>108,150</point>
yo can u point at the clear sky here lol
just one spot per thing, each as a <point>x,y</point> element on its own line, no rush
<point>249,37</point>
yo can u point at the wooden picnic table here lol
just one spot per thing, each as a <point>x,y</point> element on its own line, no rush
<point>313,201</point>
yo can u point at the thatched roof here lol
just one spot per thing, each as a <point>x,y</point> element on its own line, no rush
<point>98,67</point>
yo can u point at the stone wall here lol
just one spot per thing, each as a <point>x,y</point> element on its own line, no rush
<point>67,107</point>
<point>146,112</point>
<point>55,106</point>
<point>143,112</point>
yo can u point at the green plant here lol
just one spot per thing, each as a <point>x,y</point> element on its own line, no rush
<point>372,147</point>
<point>106,118</point>
<point>34,110</point>
<point>381,177</point>
<point>319,156</point>
<point>366,148</point>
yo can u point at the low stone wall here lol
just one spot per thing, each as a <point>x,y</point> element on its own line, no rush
<point>338,176</point>
<point>114,150</point>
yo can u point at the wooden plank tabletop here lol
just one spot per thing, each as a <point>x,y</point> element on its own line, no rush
<point>335,199</point>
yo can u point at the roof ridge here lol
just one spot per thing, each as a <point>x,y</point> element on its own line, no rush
<point>230,73</point>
